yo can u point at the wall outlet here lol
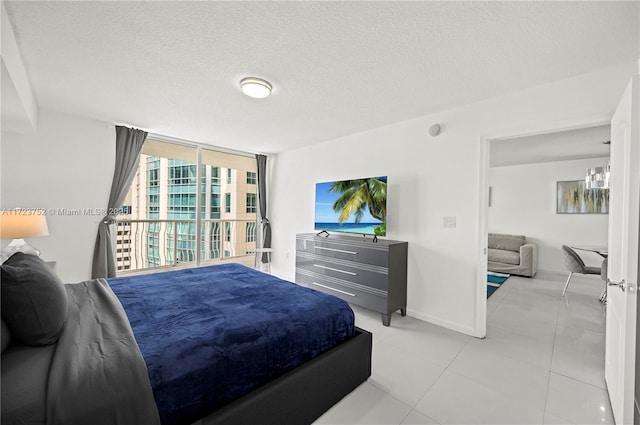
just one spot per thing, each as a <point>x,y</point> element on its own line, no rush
<point>449,222</point>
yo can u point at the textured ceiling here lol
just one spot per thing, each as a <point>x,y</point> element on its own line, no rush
<point>337,67</point>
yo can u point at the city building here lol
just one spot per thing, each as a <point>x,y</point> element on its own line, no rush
<point>158,224</point>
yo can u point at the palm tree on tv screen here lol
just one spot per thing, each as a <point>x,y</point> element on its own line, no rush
<point>356,195</point>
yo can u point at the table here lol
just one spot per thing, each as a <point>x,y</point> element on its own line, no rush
<point>602,251</point>
<point>258,262</point>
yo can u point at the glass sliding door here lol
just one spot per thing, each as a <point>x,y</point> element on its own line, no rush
<point>224,230</point>
<point>187,206</point>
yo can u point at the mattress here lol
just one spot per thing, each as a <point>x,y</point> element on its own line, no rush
<point>211,334</point>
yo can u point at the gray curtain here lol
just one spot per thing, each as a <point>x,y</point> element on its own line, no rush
<point>129,143</point>
<point>262,197</point>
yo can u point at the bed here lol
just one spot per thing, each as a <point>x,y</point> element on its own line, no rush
<point>221,344</point>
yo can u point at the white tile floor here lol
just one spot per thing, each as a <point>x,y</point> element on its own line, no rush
<point>541,363</point>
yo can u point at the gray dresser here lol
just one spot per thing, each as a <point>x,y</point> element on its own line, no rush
<point>362,272</point>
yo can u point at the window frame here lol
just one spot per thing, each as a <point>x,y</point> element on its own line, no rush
<point>201,175</point>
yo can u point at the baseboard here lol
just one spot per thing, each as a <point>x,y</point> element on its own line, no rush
<point>454,326</point>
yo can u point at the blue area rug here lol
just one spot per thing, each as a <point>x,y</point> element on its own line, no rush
<point>494,280</point>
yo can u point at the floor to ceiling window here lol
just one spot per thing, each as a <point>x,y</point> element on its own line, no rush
<point>173,182</point>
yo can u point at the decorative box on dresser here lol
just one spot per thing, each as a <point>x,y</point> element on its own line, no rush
<point>362,272</point>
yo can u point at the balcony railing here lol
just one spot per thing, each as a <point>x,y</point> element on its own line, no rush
<point>148,244</point>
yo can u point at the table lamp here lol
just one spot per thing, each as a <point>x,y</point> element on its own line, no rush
<point>16,225</point>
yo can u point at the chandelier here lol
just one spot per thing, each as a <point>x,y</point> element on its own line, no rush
<point>598,177</point>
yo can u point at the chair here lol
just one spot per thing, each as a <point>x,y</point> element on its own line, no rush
<point>574,264</point>
<point>603,275</point>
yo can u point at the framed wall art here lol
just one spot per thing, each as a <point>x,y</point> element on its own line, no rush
<point>574,198</point>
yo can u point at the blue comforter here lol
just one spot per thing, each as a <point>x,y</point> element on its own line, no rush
<point>211,334</point>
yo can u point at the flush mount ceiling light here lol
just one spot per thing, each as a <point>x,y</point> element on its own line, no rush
<point>255,87</point>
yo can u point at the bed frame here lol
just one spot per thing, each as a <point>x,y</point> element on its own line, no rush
<point>302,395</point>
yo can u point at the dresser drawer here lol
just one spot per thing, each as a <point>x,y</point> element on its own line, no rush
<point>364,274</point>
<point>349,293</point>
<point>364,252</point>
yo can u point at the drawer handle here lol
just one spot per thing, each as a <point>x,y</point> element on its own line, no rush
<point>337,250</point>
<point>336,270</point>
<point>334,289</point>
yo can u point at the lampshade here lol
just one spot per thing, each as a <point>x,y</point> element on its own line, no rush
<point>255,87</point>
<point>22,224</point>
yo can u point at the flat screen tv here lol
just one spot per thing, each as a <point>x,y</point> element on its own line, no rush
<point>353,206</point>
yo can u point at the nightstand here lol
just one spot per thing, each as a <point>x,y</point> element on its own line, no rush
<point>51,264</point>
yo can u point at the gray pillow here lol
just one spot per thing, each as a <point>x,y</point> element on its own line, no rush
<point>5,336</point>
<point>34,300</point>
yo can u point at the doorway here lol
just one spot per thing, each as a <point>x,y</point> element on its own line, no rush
<point>523,177</point>
<point>530,320</point>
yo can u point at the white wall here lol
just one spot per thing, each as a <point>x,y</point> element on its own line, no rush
<point>67,165</point>
<point>524,202</point>
<point>430,178</point>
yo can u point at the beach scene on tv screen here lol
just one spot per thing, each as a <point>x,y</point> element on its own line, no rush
<point>353,206</point>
